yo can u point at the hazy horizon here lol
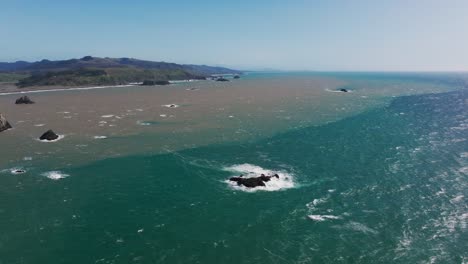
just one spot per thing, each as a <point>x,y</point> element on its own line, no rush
<point>296,35</point>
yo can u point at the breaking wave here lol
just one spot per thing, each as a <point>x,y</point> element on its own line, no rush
<point>285,180</point>
<point>55,175</point>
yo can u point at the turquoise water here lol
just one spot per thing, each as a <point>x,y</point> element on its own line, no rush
<point>385,186</point>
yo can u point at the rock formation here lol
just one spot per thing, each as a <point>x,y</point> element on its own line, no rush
<point>162,82</point>
<point>253,181</point>
<point>4,125</point>
<point>222,79</point>
<point>343,90</point>
<point>236,77</point>
<point>24,100</point>
<point>49,136</point>
<point>150,82</point>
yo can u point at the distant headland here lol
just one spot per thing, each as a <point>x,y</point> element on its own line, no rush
<point>95,71</point>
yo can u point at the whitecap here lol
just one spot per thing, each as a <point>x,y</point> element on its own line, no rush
<point>321,218</point>
<point>312,205</point>
<point>356,226</point>
<point>39,125</point>
<point>100,137</point>
<point>107,116</point>
<point>457,199</point>
<point>55,175</point>
<point>143,123</point>
<point>285,180</point>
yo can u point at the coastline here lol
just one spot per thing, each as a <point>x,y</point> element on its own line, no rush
<point>187,115</point>
<point>12,89</point>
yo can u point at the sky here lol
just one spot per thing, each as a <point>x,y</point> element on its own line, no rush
<point>333,35</point>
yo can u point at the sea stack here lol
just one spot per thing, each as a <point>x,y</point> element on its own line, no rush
<point>24,100</point>
<point>253,181</point>
<point>4,125</point>
<point>49,135</point>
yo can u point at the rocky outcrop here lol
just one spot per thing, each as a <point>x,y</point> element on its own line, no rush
<point>24,100</point>
<point>253,182</point>
<point>49,135</point>
<point>4,125</point>
<point>150,82</point>
<point>222,79</point>
<point>343,90</point>
<point>237,77</point>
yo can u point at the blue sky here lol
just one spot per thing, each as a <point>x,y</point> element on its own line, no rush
<point>397,35</point>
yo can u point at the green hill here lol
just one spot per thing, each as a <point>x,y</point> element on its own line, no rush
<point>104,71</point>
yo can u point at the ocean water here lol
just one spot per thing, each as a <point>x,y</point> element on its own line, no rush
<point>386,185</point>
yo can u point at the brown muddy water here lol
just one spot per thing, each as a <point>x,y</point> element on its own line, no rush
<point>101,123</point>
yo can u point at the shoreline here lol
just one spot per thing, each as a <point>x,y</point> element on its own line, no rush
<point>45,89</point>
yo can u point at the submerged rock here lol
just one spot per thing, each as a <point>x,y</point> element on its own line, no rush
<point>253,181</point>
<point>24,100</point>
<point>4,125</point>
<point>49,135</point>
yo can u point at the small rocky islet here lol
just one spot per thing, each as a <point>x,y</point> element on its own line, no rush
<point>24,100</point>
<point>49,135</point>
<point>252,182</point>
<point>4,124</point>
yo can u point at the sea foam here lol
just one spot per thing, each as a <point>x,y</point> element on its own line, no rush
<point>171,105</point>
<point>321,218</point>
<point>52,141</point>
<point>285,180</point>
<point>16,171</point>
<point>55,175</point>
